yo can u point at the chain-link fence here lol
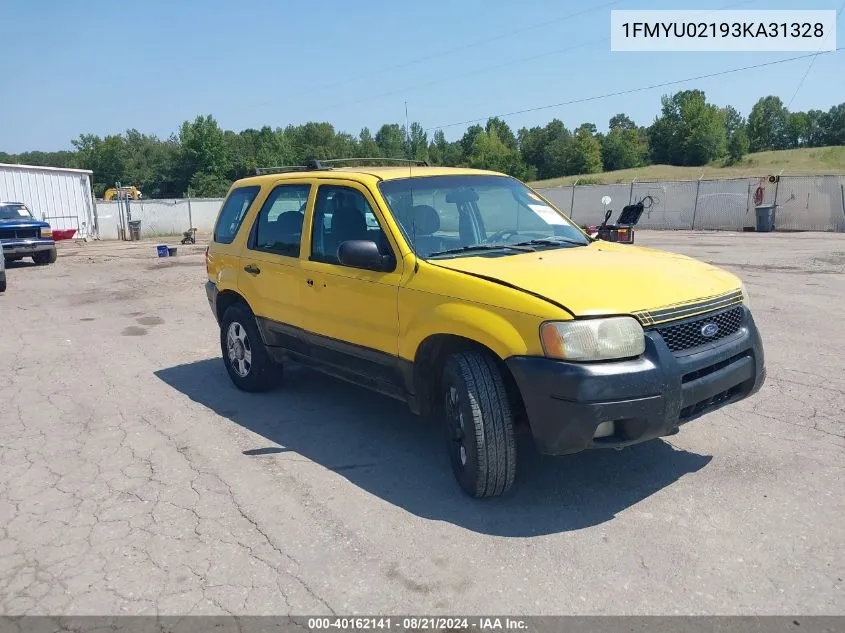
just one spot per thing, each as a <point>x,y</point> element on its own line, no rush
<point>803,203</point>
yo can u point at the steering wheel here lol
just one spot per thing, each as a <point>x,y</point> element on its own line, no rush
<point>500,236</point>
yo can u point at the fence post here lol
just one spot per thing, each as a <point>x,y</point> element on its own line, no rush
<point>631,192</point>
<point>572,201</point>
<point>190,219</point>
<point>695,204</point>
<point>842,189</point>
<point>748,201</point>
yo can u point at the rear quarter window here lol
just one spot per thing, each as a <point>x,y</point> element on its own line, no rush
<point>233,212</point>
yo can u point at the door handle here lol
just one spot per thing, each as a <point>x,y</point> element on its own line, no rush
<point>252,270</point>
<point>310,282</point>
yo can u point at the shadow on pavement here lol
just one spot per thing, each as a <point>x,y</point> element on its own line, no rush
<point>377,444</point>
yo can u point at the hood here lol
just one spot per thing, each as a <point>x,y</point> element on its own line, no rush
<point>23,223</point>
<point>604,278</point>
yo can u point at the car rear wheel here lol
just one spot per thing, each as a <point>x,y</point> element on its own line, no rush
<point>247,361</point>
<point>3,282</point>
<point>45,257</point>
<point>479,419</point>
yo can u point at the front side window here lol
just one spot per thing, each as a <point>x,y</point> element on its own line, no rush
<point>447,216</point>
<point>341,214</point>
<point>278,228</point>
<point>232,214</point>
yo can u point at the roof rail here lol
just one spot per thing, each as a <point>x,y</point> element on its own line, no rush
<point>405,161</point>
<point>314,164</point>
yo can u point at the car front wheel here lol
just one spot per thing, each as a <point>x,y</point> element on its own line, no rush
<point>246,359</point>
<point>45,257</point>
<point>479,420</point>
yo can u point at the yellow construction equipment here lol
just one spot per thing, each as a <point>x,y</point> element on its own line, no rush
<point>130,192</point>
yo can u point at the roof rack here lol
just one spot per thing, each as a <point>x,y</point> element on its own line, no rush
<point>326,164</point>
<point>405,161</point>
<point>313,164</point>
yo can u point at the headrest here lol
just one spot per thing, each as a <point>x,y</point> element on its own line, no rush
<point>289,222</point>
<point>424,220</point>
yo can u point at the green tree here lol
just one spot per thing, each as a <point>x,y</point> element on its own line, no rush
<point>503,132</point>
<point>625,146</point>
<point>203,150</point>
<point>442,152</point>
<point>832,123</point>
<point>737,145</point>
<point>584,152</point>
<point>689,130</point>
<point>767,125</point>
<point>737,133</point>
<point>418,142</point>
<point>391,140</point>
<point>367,144</point>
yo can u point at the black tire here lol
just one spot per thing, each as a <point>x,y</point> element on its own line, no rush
<point>261,374</point>
<point>3,283</point>
<point>45,257</point>
<point>480,422</point>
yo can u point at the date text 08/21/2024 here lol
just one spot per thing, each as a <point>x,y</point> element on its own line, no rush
<point>361,623</point>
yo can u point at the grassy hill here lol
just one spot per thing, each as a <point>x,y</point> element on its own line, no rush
<point>794,162</point>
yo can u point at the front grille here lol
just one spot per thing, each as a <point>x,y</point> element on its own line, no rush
<point>687,335</point>
<point>18,234</point>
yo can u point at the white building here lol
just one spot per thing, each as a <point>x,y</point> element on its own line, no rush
<point>62,197</point>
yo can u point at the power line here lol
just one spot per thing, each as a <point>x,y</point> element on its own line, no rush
<point>484,69</point>
<point>463,47</point>
<point>633,90</point>
<point>477,71</point>
<point>812,61</point>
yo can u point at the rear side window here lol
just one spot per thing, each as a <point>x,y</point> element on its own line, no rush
<point>278,228</point>
<point>232,214</point>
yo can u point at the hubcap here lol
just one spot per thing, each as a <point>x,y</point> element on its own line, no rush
<point>455,416</point>
<point>240,352</point>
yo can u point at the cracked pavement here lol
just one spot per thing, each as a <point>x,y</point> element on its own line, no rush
<point>134,479</point>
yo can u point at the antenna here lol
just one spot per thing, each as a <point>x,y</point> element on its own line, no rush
<point>407,134</point>
<point>410,175</point>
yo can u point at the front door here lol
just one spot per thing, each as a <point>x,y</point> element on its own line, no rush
<point>353,313</point>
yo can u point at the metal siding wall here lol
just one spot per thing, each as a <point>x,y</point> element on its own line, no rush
<point>51,192</point>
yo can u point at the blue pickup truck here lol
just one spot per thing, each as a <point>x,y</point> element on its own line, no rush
<point>22,235</point>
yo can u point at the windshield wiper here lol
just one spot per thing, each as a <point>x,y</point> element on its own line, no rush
<point>550,241</point>
<point>525,248</point>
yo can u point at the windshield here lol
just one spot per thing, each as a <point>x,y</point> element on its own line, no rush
<point>14,211</point>
<point>450,216</point>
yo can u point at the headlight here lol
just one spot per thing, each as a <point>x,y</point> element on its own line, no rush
<point>46,232</point>
<point>593,339</point>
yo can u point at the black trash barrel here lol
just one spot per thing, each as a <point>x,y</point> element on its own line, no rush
<point>765,218</point>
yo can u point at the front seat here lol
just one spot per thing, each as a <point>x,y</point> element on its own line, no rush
<point>424,222</point>
<point>348,223</point>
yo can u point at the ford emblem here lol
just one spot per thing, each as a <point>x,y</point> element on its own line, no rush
<point>709,330</point>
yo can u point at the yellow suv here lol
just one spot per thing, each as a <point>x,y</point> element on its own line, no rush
<point>469,296</point>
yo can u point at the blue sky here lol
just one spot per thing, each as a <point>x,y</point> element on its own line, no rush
<point>104,66</point>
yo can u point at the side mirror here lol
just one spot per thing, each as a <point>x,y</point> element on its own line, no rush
<point>363,254</point>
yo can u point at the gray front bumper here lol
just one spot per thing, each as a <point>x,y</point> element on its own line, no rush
<point>17,248</point>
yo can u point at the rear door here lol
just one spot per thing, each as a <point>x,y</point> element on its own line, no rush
<point>271,275</point>
<point>224,253</point>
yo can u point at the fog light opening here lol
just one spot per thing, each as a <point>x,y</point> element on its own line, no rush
<point>605,429</point>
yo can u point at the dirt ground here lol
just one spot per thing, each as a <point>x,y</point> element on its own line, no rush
<point>135,479</point>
